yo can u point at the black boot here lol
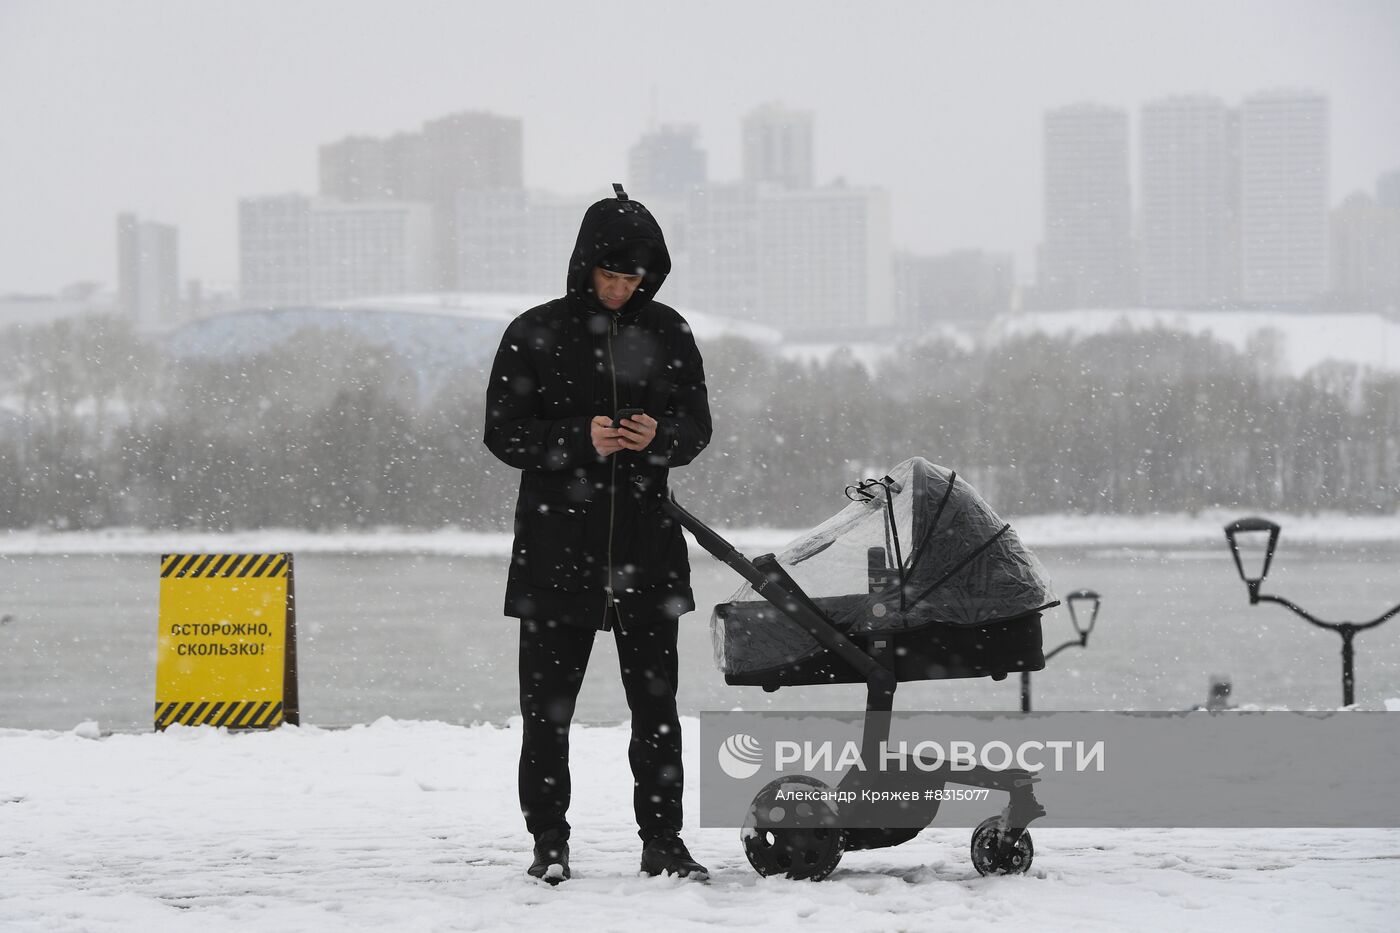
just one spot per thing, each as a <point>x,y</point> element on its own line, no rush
<point>669,855</point>
<point>551,858</point>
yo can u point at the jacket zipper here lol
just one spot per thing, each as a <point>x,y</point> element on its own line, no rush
<point>609,601</point>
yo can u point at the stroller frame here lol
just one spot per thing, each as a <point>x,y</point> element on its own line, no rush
<point>810,847</point>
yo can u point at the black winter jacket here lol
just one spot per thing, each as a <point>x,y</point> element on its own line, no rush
<point>589,530</point>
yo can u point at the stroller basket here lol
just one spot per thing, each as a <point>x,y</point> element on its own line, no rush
<point>917,573</point>
<point>934,652</point>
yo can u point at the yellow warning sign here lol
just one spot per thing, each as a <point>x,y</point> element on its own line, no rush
<point>226,653</point>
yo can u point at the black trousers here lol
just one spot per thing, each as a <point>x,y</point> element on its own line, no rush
<point>553,659</point>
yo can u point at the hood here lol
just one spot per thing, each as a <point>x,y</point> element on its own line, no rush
<point>608,225</point>
<point>963,566</point>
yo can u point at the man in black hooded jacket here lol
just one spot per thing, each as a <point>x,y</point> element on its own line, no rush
<point>593,549</point>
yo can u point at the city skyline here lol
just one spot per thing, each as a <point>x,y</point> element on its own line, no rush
<point>953,136</point>
<point>393,216</point>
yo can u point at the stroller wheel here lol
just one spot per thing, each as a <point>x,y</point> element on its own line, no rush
<point>799,840</point>
<point>994,852</point>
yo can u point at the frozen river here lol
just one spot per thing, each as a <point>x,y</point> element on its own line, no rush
<point>415,636</point>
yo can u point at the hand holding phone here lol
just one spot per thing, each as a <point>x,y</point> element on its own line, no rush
<point>626,413</point>
<point>638,433</point>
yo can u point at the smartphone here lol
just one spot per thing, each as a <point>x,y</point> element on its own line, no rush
<point>626,413</point>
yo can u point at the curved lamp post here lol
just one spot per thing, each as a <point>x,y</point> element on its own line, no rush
<point>1078,596</point>
<point>1257,531</point>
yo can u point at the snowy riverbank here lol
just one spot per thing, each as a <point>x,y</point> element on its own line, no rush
<point>414,826</point>
<point>1168,530</point>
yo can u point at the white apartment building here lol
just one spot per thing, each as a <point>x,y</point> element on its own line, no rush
<point>516,240</point>
<point>777,146</point>
<point>148,278</point>
<point>297,250</point>
<point>461,152</point>
<point>1189,221</point>
<point>370,248</point>
<point>1283,193</point>
<point>274,250</point>
<point>1365,254</point>
<point>1086,258</point>
<point>825,260</point>
<point>718,269</point>
<point>667,161</point>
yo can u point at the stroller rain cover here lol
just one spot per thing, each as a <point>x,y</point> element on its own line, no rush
<point>948,560</point>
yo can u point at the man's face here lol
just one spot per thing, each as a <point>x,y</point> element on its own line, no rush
<point>613,288</point>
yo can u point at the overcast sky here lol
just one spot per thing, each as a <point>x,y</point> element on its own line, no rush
<point>176,109</point>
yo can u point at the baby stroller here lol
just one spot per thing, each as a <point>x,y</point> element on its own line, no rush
<point>845,603</point>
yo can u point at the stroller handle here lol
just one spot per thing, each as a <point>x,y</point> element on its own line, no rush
<point>707,537</point>
<point>788,598</point>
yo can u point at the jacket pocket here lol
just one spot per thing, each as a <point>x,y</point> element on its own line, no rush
<point>556,552</point>
<point>663,558</point>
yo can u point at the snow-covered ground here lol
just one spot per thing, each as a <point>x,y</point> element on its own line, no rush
<point>414,826</point>
<point>1104,531</point>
